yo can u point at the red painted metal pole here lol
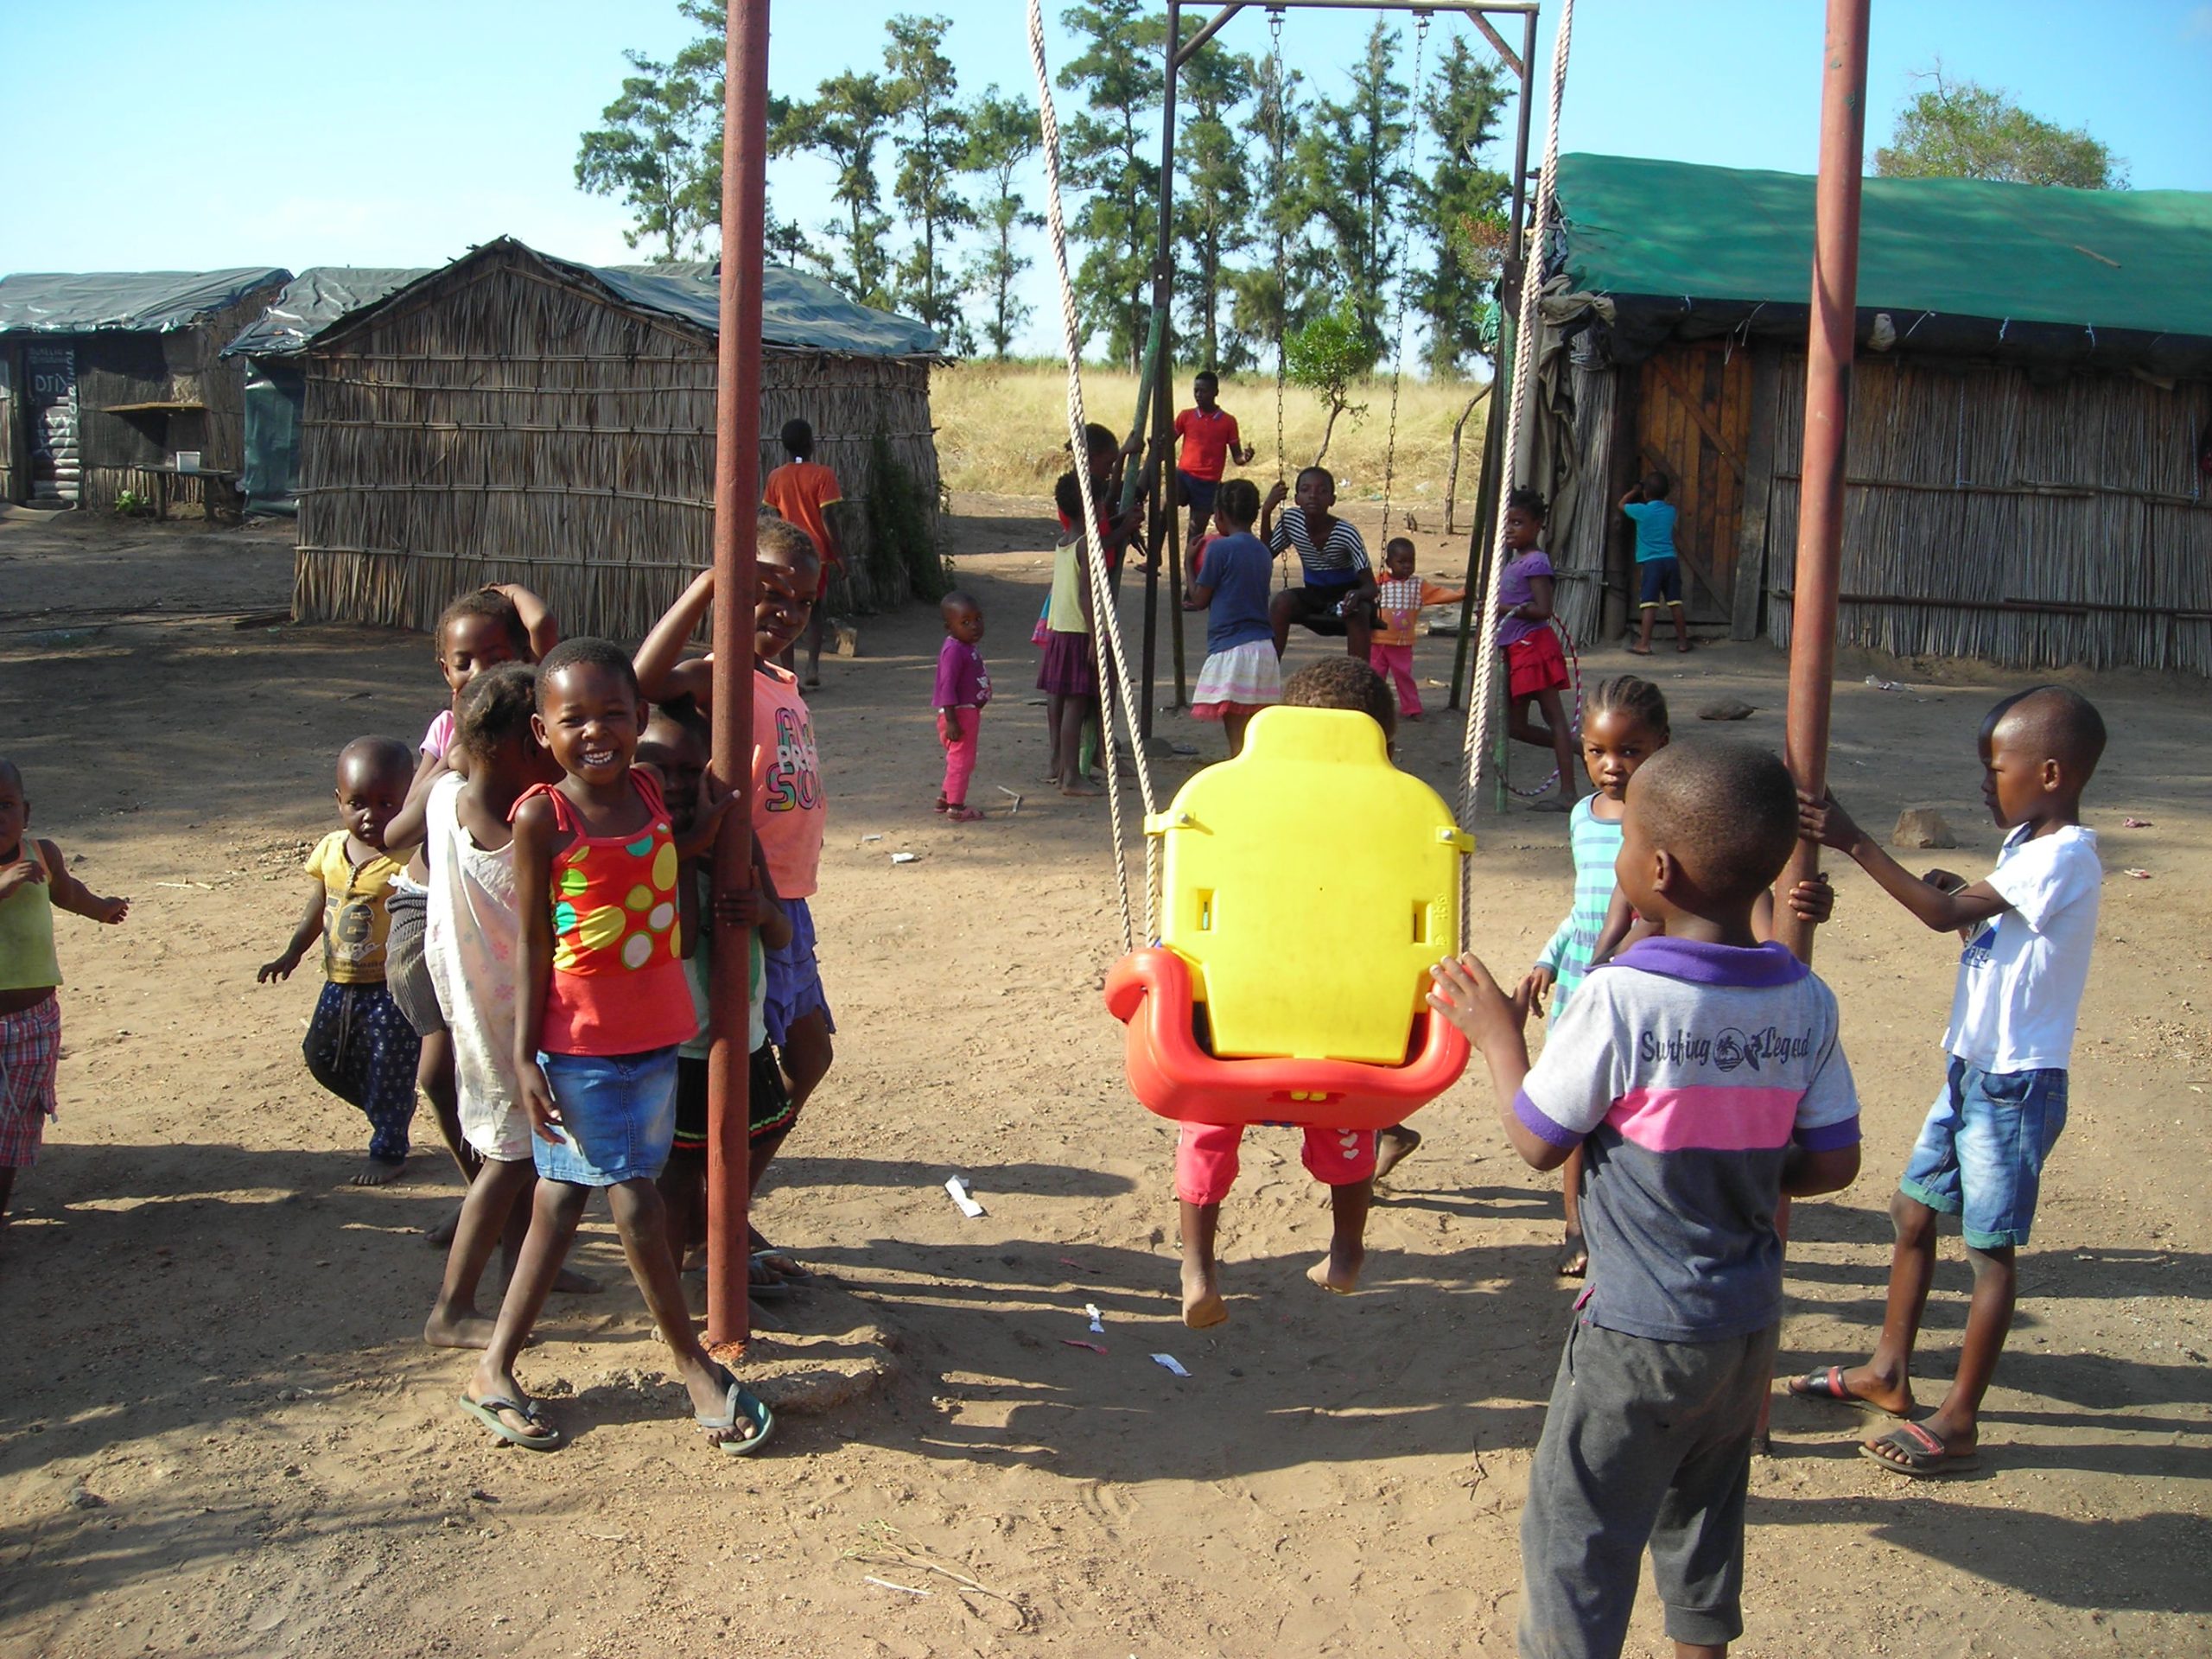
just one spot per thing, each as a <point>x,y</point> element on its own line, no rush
<point>1828,346</point>
<point>1827,408</point>
<point>737,495</point>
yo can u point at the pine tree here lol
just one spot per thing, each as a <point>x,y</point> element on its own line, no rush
<point>1213,193</point>
<point>1107,157</point>
<point>921,90</point>
<point>659,151</point>
<point>1460,209</point>
<point>1354,182</point>
<point>1270,298</point>
<point>845,121</point>
<point>1001,136</point>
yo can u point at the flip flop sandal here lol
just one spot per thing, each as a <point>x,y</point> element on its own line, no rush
<point>1828,1385</point>
<point>1920,1454</point>
<point>779,1263</point>
<point>738,1405</point>
<point>487,1411</point>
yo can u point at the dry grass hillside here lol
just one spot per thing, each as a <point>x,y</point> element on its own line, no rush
<point>1001,429</point>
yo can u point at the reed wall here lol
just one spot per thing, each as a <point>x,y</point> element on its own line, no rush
<point>1990,515</point>
<point>507,424</point>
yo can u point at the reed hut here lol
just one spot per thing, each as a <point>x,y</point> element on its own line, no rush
<point>111,381</point>
<point>2031,435</point>
<point>273,348</point>
<point>515,417</point>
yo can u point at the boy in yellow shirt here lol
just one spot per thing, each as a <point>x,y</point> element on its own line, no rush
<point>359,1046</point>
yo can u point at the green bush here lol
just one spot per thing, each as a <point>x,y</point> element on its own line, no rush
<point>902,529</point>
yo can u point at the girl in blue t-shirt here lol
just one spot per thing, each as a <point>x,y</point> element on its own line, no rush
<point>1242,674</point>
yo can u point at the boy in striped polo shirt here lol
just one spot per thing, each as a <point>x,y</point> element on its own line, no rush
<point>1338,594</point>
<point>1701,1074</point>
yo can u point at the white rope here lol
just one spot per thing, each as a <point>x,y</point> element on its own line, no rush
<point>1106,624</point>
<point>1524,354</point>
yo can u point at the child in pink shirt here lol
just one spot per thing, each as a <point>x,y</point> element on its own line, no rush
<point>963,686</point>
<point>789,810</point>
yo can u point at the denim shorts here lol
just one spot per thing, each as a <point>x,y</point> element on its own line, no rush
<point>1657,580</point>
<point>618,1116</point>
<point>1981,1155</point>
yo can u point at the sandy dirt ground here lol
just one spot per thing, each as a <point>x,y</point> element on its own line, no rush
<point>221,1435</point>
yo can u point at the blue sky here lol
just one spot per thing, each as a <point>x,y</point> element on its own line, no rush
<point>240,132</point>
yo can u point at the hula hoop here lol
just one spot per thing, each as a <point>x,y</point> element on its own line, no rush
<point>1574,678</point>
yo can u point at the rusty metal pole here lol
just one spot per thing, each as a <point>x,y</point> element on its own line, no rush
<point>1828,345</point>
<point>1827,408</point>
<point>737,493</point>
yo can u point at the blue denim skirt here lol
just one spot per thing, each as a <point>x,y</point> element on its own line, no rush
<point>618,1116</point>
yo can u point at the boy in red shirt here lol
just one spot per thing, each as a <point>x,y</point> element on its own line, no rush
<point>802,491</point>
<point>1209,436</point>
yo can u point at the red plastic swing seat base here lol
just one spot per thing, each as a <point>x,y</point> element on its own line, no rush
<point>1149,991</point>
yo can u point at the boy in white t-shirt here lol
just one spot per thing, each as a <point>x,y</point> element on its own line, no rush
<point>2027,927</point>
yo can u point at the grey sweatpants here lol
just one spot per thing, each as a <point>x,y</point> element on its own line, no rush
<point>1644,1442</point>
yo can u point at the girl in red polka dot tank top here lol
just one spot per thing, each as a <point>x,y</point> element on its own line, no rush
<point>601,1004</point>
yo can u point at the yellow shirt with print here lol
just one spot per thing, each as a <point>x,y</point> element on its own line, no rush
<point>355,916</point>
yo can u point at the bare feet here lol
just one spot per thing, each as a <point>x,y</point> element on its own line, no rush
<point>1552,803</point>
<point>1079,790</point>
<point>469,1330</point>
<point>960,812</point>
<point>441,1236</point>
<point>570,1282</point>
<point>377,1171</point>
<point>1202,1304</point>
<point>1393,1146</point>
<point>1574,1258</point>
<point>1338,1270</point>
<point>1639,650</point>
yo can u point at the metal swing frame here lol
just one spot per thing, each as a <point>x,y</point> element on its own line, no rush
<point>1155,402</point>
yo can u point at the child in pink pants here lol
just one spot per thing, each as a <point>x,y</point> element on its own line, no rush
<point>963,686</point>
<point>1399,602</point>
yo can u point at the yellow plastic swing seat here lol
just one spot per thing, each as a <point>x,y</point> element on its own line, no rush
<point>1308,885</point>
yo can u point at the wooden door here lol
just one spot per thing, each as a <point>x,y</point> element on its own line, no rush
<point>1693,422</point>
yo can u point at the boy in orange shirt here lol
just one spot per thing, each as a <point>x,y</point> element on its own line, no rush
<point>1209,436</point>
<point>802,491</point>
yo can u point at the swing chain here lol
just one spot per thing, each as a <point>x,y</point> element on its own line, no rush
<point>1282,276</point>
<point>1405,275</point>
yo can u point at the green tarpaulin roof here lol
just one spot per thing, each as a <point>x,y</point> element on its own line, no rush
<point>1932,252</point>
<point>154,302</point>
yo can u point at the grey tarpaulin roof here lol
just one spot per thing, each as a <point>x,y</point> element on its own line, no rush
<point>152,302</point>
<point>797,311</point>
<point>312,300</point>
